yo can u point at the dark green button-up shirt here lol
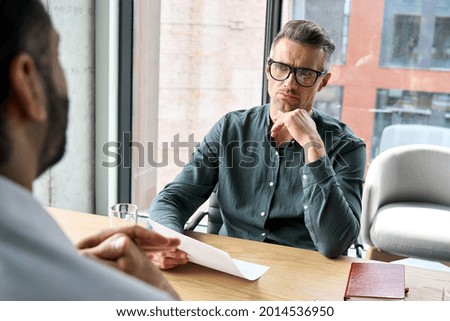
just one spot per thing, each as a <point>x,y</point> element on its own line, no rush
<point>268,193</point>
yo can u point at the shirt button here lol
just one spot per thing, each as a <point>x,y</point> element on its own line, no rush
<point>263,234</point>
<point>271,184</point>
<point>263,213</point>
<point>305,207</point>
<point>304,177</point>
<point>276,153</point>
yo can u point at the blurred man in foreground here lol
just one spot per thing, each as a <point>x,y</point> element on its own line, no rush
<point>37,261</point>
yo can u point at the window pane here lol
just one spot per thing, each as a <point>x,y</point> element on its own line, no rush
<point>329,101</point>
<point>395,106</point>
<point>393,67</point>
<point>416,34</point>
<point>441,43</point>
<point>406,35</point>
<point>210,62</point>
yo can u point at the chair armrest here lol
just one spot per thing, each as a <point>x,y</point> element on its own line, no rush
<point>359,250</point>
<point>359,247</point>
<point>195,220</point>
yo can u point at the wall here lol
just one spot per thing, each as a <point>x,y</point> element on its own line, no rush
<point>70,184</point>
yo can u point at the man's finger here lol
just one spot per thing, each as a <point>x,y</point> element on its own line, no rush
<point>110,249</point>
<point>276,127</point>
<point>167,260</point>
<point>141,236</point>
<point>95,239</point>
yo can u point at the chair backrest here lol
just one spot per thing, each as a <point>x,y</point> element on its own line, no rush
<point>407,134</point>
<point>214,214</point>
<point>411,173</point>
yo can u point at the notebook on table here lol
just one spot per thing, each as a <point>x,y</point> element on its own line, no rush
<point>375,281</point>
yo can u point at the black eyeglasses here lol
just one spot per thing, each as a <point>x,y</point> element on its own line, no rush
<point>305,77</point>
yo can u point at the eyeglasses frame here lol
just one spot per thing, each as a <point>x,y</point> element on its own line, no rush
<point>294,70</point>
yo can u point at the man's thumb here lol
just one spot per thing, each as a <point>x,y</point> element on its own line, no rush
<point>120,243</point>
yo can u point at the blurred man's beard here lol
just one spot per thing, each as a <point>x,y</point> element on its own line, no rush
<point>55,141</point>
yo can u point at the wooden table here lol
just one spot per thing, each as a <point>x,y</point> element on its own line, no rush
<point>294,274</point>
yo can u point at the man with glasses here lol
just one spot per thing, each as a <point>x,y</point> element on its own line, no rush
<point>286,173</point>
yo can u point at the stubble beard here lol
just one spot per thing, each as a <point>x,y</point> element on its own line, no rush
<point>55,141</point>
<point>283,106</point>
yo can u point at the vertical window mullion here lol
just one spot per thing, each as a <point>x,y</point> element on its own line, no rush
<point>273,25</point>
<point>125,99</point>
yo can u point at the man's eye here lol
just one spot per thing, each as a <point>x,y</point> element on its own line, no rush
<point>281,67</point>
<point>304,73</point>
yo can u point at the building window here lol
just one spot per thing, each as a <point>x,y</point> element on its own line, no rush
<point>329,101</point>
<point>406,31</point>
<point>441,43</point>
<point>416,34</point>
<point>395,106</point>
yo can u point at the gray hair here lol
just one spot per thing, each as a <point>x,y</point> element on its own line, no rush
<point>308,33</point>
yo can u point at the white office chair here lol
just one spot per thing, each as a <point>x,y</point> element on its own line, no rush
<point>406,203</point>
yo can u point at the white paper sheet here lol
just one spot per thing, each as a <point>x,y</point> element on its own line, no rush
<point>209,256</point>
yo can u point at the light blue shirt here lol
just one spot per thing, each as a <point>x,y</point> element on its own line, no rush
<point>38,262</point>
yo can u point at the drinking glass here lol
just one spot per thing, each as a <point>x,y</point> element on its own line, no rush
<point>123,212</point>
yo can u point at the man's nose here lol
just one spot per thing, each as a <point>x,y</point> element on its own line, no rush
<point>290,81</point>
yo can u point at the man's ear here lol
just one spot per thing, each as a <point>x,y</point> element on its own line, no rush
<point>267,71</point>
<point>27,91</point>
<point>324,81</point>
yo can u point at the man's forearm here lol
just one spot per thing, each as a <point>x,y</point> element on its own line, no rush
<point>331,221</point>
<point>166,215</point>
<point>331,207</point>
